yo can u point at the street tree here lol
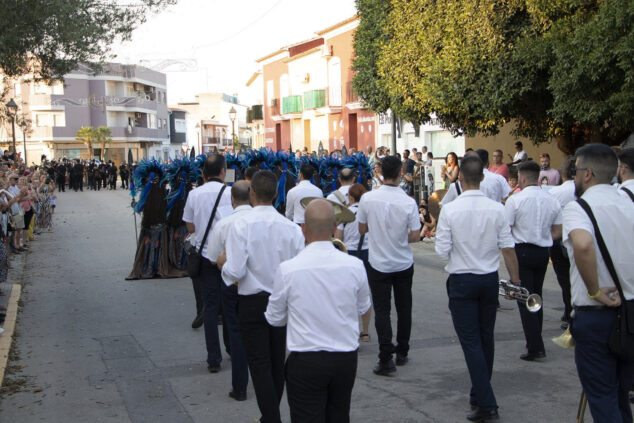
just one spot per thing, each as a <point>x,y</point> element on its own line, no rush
<point>103,136</point>
<point>88,136</point>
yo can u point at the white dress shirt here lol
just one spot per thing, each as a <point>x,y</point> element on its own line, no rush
<point>217,239</point>
<point>256,244</point>
<point>389,214</point>
<point>615,218</point>
<point>294,208</point>
<point>520,155</point>
<point>343,190</point>
<point>199,205</point>
<point>470,232</point>
<point>319,295</point>
<point>564,193</point>
<point>351,235</point>
<point>531,213</point>
<point>629,184</point>
<point>493,186</point>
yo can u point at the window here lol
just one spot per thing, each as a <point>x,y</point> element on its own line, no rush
<point>443,142</point>
<point>57,88</point>
<point>180,126</point>
<point>41,88</point>
<point>334,82</point>
<point>17,89</point>
<point>284,88</point>
<point>270,91</point>
<point>152,121</point>
<point>49,119</point>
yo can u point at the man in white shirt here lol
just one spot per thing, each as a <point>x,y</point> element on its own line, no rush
<point>196,215</point>
<point>605,378</point>
<point>321,315</point>
<point>564,193</point>
<point>391,218</point>
<point>471,232</point>
<point>493,185</point>
<point>625,173</point>
<point>340,195</point>
<point>216,244</point>
<point>535,219</point>
<point>294,208</point>
<point>255,246</point>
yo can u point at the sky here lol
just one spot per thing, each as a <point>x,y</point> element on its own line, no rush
<point>212,45</point>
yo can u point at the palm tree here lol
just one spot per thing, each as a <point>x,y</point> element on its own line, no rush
<point>87,135</point>
<point>103,136</point>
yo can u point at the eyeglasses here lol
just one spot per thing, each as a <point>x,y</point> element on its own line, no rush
<point>573,170</point>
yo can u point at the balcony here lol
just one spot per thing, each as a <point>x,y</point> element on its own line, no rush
<point>258,113</point>
<point>249,115</point>
<point>274,107</point>
<point>353,101</point>
<point>292,104</point>
<point>314,99</point>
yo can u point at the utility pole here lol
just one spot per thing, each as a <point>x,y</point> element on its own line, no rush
<point>393,133</point>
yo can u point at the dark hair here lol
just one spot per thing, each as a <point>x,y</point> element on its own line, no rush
<point>468,149</point>
<point>307,171</point>
<point>264,185</point>
<point>240,192</point>
<point>471,170</point>
<point>513,172</point>
<point>601,159</point>
<point>346,175</point>
<point>430,155</point>
<point>251,170</point>
<point>626,157</point>
<point>214,165</point>
<point>530,169</point>
<point>391,167</point>
<point>519,144</point>
<point>356,191</point>
<point>484,155</point>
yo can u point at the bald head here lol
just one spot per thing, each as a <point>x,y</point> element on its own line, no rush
<point>319,221</point>
<point>240,193</point>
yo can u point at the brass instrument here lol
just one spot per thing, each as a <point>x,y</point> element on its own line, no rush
<point>433,203</point>
<point>342,213</point>
<point>339,245</point>
<point>509,291</point>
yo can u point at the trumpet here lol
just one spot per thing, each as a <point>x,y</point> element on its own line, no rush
<point>533,302</point>
<point>339,245</point>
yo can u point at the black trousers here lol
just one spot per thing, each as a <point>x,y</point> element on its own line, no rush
<point>265,347</point>
<point>381,285</point>
<point>210,280</point>
<point>198,294</point>
<point>232,339</point>
<point>561,266</point>
<point>533,262</point>
<point>319,386</point>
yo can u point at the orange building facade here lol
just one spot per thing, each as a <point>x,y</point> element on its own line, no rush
<point>308,96</point>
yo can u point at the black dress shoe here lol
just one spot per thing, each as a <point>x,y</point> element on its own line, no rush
<point>198,321</point>
<point>213,369</point>
<point>384,368</point>
<point>473,407</point>
<point>533,356</point>
<point>401,360</point>
<point>480,415</point>
<point>238,396</point>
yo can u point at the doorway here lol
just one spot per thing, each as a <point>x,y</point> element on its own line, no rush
<point>352,131</point>
<point>278,136</point>
<point>307,134</point>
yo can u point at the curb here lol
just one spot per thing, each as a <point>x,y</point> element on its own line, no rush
<point>6,339</point>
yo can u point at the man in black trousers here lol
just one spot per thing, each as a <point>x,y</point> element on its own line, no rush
<point>471,231</point>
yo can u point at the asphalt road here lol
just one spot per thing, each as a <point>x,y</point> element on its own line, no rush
<point>93,347</point>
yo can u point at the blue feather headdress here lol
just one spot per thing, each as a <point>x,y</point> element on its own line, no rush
<point>178,173</point>
<point>147,171</point>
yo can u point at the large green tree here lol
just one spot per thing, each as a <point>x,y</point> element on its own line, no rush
<point>557,70</point>
<point>48,38</point>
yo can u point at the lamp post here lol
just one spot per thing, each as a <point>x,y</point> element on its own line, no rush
<point>232,116</point>
<point>24,125</point>
<point>12,106</point>
<point>199,136</point>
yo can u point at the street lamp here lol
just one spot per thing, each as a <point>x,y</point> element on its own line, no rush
<point>12,106</point>
<point>232,116</point>
<point>24,125</point>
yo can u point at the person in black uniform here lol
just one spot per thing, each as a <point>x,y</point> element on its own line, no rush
<point>60,177</point>
<point>112,175</point>
<point>77,176</point>
<point>124,173</point>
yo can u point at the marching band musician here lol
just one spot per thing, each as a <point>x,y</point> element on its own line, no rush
<point>216,244</point>
<point>535,219</point>
<point>255,247</point>
<point>340,195</point>
<point>471,232</point>
<point>626,173</point>
<point>305,188</point>
<point>391,217</point>
<point>605,378</point>
<point>322,318</point>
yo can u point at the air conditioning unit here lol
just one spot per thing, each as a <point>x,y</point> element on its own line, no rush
<point>326,50</point>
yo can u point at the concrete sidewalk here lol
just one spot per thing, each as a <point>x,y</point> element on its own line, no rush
<point>102,349</point>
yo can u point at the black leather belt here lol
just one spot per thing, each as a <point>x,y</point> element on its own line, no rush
<point>591,307</point>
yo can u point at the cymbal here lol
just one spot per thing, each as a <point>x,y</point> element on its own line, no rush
<point>433,203</point>
<point>342,213</point>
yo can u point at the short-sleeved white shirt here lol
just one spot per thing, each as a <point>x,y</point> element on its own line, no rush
<point>389,213</point>
<point>294,209</point>
<point>531,213</point>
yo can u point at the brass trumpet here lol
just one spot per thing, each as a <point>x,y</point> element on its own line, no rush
<point>533,302</point>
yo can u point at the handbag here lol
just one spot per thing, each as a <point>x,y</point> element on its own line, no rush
<point>621,341</point>
<point>195,257</point>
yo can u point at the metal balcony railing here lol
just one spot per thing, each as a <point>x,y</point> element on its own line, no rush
<point>351,95</point>
<point>292,104</point>
<point>315,99</point>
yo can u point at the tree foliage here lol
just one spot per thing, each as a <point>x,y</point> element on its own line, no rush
<point>103,136</point>
<point>88,136</point>
<point>555,69</point>
<point>48,38</point>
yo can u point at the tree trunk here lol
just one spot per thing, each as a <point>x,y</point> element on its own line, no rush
<point>103,155</point>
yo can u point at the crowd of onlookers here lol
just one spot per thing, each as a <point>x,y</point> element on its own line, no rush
<point>27,202</point>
